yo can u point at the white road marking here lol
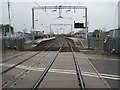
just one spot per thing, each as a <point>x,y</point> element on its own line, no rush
<point>107,76</point>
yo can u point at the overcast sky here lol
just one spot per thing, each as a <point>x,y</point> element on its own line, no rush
<point>101,14</point>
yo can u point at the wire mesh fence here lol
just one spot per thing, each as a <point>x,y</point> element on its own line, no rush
<point>13,43</point>
<point>96,44</point>
<point>109,45</point>
<point>112,45</point>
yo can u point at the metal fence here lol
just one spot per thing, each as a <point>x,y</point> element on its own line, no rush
<point>112,45</point>
<point>96,44</point>
<point>108,46</point>
<point>13,43</point>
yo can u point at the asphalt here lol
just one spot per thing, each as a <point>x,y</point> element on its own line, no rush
<point>106,64</point>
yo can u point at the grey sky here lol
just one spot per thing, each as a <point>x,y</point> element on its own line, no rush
<point>101,14</point>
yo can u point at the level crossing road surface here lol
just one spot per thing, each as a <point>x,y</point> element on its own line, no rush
<point>51,64</point>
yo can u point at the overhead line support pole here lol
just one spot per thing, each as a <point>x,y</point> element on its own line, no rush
<point>9,18</point>
<point>33,25</point>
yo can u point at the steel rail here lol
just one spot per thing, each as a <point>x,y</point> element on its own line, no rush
<point>5,71</point>
<point>38,82</point>
<point>98,74</point>
<point>13,57</point>
<point>78,70</point>
<point>26,71</point>
<point>23,73</point>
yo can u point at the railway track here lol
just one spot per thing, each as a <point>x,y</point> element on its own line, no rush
<point>36,85</point>
<point>78,70</point>
<point>10,58</point>
<point>26,71</point>
<point>14,66</point>
<point>22,74</point>
<point>43,49</point>
<point>20,54</point>
<point>39,71</point>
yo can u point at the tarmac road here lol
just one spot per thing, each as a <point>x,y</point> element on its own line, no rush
<point>106,65</point>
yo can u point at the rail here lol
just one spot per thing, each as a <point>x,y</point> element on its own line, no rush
<point>36,85</point>
<point>3,72</point>
<point>26,71</point>
<point>79,75</point>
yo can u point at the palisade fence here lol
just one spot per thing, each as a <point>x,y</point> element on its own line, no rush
<point>108,47</point>
<point>13,43</point>
<point>112,45</point>
<point>97,44</point>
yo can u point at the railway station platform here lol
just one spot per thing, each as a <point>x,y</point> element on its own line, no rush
<point>41,40</point>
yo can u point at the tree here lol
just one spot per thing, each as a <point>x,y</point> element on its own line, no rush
<point>25,30</point>
<point>96,33</point>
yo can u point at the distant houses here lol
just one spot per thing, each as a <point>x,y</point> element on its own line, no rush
<point>81,34</point>
<point>5,30</point>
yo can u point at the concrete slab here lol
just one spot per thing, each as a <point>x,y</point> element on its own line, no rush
<point>59,84</point>
<point>63,62</point>
<point>20,58</point>
<point>34,75</point>
<point>28,81</point>
<point>10,75</point>
<point>59,80</point>
<point>34,59</point>
<point>90,82</point>
<point>11,55</point>
<point>93,82</point>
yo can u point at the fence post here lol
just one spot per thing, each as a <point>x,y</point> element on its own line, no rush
<point>21,44</point>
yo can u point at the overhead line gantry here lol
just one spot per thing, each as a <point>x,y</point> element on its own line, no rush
<point>60,7</point>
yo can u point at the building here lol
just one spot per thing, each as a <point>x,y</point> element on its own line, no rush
<point>90,35</point>
<point>81,34</point>
<point>38,34</point>
<point>5,30</point>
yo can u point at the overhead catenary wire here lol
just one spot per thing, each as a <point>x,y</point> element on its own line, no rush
<point>40,6</point>
<point>75,10</point>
